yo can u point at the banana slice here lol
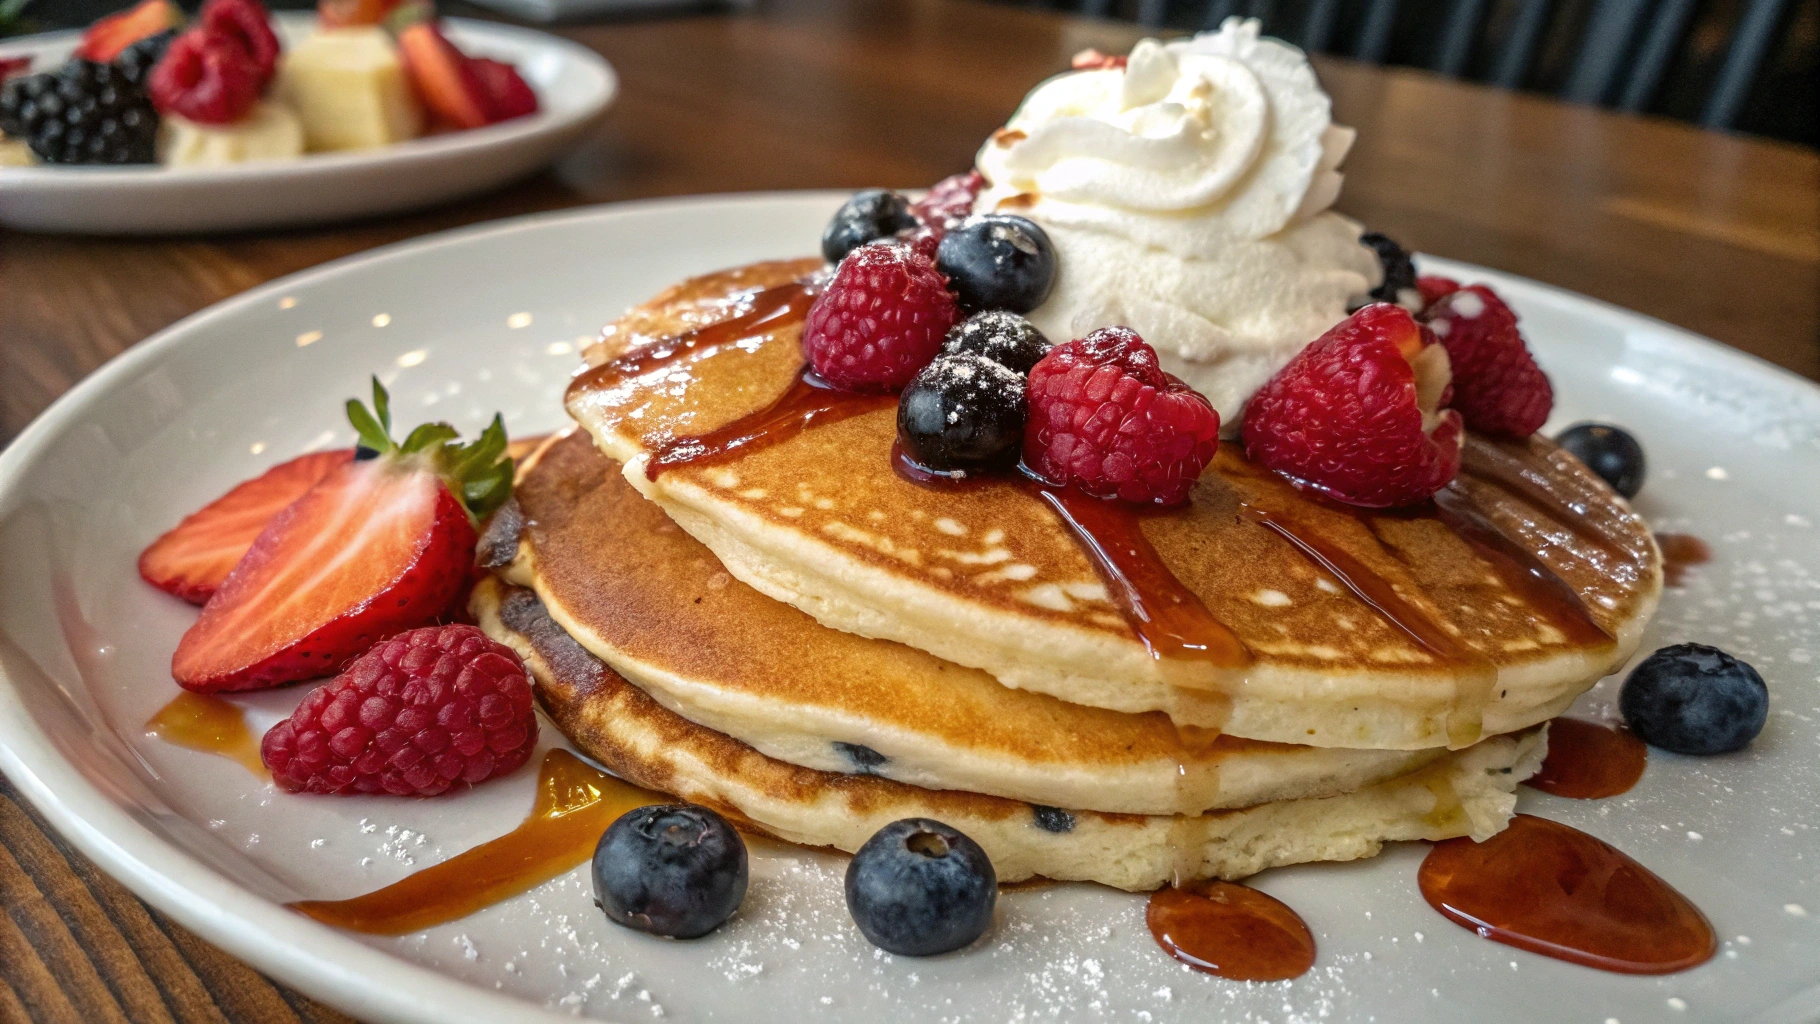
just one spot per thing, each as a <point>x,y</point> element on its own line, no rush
<point>269,132</point>
<point>15,153</point>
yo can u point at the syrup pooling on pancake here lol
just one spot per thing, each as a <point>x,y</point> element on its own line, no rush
<point>810,401</point>
<point>1168,618</point>
<point>996,581</point>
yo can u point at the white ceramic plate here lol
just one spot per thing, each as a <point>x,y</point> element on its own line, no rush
<point>1735,453</point>
<point>573,84</point>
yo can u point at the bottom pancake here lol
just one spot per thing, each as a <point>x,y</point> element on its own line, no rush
<point>1468,792</point>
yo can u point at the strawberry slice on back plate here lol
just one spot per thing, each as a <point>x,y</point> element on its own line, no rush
<point>193,558</point>
<point>379,546</point>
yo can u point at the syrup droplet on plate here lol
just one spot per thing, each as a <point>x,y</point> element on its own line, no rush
<point>204,722</point>
<point>1680,553</point>
<point>1230,930</point>
<point>1545,887</point>
<point>575,804</point>
<point>1589,760</point>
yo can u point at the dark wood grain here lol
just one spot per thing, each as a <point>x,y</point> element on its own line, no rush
<point>1715,233</point>
<point>77,948</point>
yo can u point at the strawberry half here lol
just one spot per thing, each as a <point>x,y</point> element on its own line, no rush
<point>379,546</point>
<point>193,558</point>
<point>104,40</point>
<point>1357,414</point>
<point>445,80</point>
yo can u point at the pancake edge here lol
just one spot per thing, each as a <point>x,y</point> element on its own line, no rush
<point>1469,792</point>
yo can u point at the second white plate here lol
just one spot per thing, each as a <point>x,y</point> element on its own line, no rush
<point>574,85</point>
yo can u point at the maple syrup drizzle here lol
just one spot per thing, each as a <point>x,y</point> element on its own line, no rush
<point>809,402</point>
<point>1490,464</point>
<point>1590,760</point>
<point>765,311</point>
<point>1554,890</point>
<point>1475,673</point>
<point>1168,617</point>
<point>1230,930</point>
<point>1520,570</point>
<point>206,723</point>
<point>575,804</point>
<point>1680,553</point>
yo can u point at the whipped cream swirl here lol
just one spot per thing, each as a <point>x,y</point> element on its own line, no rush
<point>1187,194</point>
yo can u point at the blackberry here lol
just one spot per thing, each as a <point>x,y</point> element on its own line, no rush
<point>135,62</point>
<point>82,113</point>
<point>1399,269</point>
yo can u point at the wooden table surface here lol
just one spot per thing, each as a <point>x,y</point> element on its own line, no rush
<point>1715,233</point>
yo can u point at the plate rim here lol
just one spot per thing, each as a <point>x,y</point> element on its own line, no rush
<point>333,966</point>
<point>404,154</point>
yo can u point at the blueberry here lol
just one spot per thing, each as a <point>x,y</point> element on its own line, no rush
<point>1608,451</point>
<point>919,888</point>
<point>962,411</point>
<point>998,261</point>
<point>1694,699</point>
<point>1399,269</point>
<point>1003,337</point>
<point>362,453</point>
<point>869,216</point>
<point>672,869</point>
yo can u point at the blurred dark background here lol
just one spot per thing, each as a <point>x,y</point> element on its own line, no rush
<point>1739,65</point>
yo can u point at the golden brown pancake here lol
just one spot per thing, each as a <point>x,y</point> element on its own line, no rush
<point>1462,793</point>
<point>655,605</point>
<point>1492,612</point>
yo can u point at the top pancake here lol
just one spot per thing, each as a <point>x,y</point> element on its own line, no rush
<point>1376,630</point>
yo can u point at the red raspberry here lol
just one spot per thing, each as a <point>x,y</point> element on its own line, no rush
<point>1432,288</point>
<point>948,202</point>
<point>1352,416</point>
<point>411,717</point>
<point>1497,385</point>
<point>247,22</point>
<point>1104,416</point>
<point>205,76</point>
<point>880,320</point>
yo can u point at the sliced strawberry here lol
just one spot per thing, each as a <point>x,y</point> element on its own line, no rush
<point>1356,415</point>
<point>193,558</point>
<point>377,547</point>
<point>508,95</point>
<point>10,66</point>
<point>350,13</point>
<point>1498,387</point>
<point>104,40</point>
<point>445,80</point>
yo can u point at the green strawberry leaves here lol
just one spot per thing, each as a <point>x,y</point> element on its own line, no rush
<point>478,472</point>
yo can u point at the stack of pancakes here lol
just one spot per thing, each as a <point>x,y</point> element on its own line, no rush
<point>797,636</point>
